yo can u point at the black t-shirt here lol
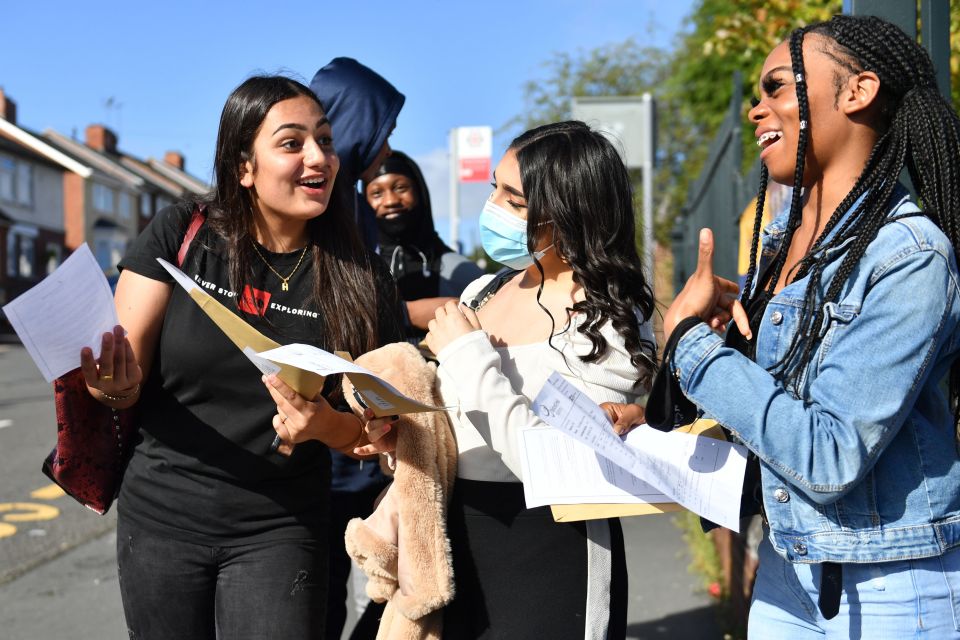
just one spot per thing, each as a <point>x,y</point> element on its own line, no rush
<point>203,471</point>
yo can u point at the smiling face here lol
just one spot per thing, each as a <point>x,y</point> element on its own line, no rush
<point>391,195</point>
<point>293,164</point>
<point>777,115</point>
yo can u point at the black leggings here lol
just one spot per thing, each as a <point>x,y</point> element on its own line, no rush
<point>176,589</point>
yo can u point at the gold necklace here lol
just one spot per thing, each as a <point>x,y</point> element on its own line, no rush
<point>284,286</point>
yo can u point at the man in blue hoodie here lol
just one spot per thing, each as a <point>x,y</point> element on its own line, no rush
<point>362,107</point>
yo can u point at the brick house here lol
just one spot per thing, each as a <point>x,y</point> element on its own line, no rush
<point>32,201</point>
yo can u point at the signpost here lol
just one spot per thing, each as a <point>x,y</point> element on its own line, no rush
<point>629,122</point>
<point>470,151</point>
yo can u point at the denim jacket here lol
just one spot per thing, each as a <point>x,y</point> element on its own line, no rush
<point>860,464</point>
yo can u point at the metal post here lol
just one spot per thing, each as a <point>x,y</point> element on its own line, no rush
<point>935,31</point>
<point>901,13</point>
<point>454,193</point>
<point>649,132</point>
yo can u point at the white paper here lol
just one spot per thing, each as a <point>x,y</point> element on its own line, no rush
<point>182,279</point>
<point>310,358</point>
<point>703,474</point>
<point>558,469</point>
<point>266,367</point>
<point>69,309</point>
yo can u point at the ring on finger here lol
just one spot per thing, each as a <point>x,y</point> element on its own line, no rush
<point>106,376</point>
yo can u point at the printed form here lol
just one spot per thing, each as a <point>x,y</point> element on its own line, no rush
<point>69,309</point>
<point>581,460</point>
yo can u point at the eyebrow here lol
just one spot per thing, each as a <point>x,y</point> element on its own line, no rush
<point>299,127</point>
<point>509,189</point>
<point>776,70</point>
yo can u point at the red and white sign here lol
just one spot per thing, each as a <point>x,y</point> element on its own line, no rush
<point>474,148</point>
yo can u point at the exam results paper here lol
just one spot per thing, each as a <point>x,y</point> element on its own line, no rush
<point>581,461</point>
<point>69,309</point>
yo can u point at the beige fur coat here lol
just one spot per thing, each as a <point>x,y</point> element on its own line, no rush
<point>403,546</point>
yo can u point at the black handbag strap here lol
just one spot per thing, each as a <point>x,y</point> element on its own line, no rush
<point>491,288</point>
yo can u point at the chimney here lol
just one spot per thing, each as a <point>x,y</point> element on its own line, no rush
<point>100,138</point>
<point>8,108</point>
<point>174,159</point>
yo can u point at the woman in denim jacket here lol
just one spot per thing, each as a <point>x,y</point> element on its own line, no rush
<point>850,323</point>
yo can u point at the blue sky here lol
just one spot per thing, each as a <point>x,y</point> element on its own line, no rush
<point>170,65</point>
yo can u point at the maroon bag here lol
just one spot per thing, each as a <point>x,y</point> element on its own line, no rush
<point>94,442</point>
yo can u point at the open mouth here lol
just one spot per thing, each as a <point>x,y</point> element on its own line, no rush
<point>769,138</point>
<point>314,183</point>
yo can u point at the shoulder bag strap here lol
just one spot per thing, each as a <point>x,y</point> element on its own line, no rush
<point>196,221</point>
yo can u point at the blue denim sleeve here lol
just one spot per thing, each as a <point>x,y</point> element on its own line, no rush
<point>867,380</point>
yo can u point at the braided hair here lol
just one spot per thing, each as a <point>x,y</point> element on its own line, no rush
<point>918,130</point>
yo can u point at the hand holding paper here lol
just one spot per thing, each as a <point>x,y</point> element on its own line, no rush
<point>68,310</point>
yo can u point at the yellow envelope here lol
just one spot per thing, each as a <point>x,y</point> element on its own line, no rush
<point>577,512</point>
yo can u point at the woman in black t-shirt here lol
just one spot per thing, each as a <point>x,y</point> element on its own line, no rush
<point>219,534</point>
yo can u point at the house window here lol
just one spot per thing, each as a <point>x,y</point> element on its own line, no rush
<point>16,181</point>
<point>145,209</point>
<point>125,205</point>
<point>103,198</point>
<point>21,251</point>
<point>24,183</point>
<point>54,254</point>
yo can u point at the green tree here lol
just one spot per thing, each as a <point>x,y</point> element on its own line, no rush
<point>692,83</point>
<point>617,69</point>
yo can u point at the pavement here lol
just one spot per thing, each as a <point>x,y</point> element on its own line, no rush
<point>76,595</point>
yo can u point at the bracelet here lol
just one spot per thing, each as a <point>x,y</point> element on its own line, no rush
<point>358,441</point>
<point>135,391</point>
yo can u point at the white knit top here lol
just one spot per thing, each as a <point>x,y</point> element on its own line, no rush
<point>492,389</point>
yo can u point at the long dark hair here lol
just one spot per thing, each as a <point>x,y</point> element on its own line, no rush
<point>573,178</point>
<point>342,271</point>
<point>918,130</point>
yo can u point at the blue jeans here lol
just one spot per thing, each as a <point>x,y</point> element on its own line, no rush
<point>881,601</point>
<point>175,589</point>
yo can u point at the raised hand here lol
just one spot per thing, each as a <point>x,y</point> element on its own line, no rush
<point>114,378</point>
<point>709,297</point>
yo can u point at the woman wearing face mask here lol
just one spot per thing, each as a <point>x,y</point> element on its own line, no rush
<point>428,272</point>
<point>219,536</point>
<point>577,302</point>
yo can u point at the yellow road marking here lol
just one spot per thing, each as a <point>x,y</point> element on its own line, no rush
<point>31,511</point>
<point>7,530</point>
<point>49,492</point>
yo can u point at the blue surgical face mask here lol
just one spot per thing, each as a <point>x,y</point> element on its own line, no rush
<point>504,237</point>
